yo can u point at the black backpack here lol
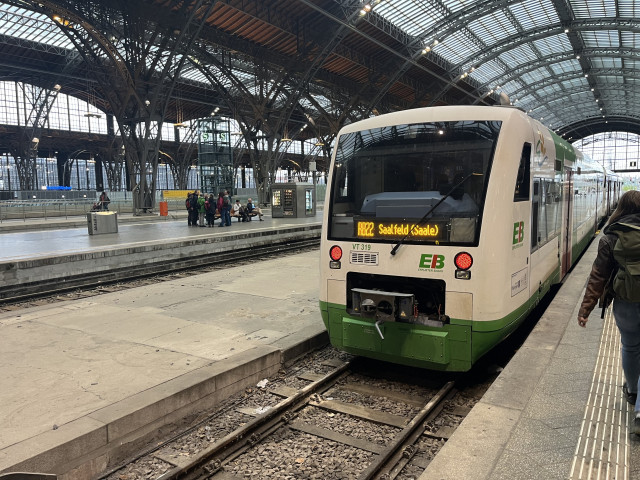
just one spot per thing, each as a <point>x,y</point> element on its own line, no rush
<point>626,251</point>
<point>194,202</point>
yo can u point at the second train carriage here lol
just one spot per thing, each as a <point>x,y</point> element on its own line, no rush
<point>443,227</point>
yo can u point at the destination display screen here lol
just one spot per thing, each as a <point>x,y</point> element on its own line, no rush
<point>396,229</point>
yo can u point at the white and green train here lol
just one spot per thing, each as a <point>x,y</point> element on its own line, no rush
<point>443,227</point>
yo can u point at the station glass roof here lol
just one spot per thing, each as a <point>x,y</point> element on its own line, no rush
<point>561,62</point>
<point>564,62</point>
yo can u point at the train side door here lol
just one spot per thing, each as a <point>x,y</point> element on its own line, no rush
<point>567,216</point>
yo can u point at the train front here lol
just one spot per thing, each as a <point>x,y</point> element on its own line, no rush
<point>402,221</point>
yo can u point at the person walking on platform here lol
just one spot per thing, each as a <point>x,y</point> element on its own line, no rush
<point>615,276</point>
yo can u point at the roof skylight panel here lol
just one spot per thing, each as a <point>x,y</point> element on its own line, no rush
<point>553,44</point>
<point>457,5</point>
<point>606,62</point>
<point>492,28</point>
<point>611,80</point>
<point>534,13</point>
<point>630,39</point>
<point>549,90</point>
<point>490,71</point>
<point>457,47</point>
<point>414,17</point>
<point>575,83</point>
<point>535,76</point>
<point>600,38</point>
<point>527,99</point>
<point>566,66</point>
<point>587,9</point>
<point>34,27</point>
<point>514,86</point>
<point>520,55</point>
<point>629,8</point>
<point>631,63</point>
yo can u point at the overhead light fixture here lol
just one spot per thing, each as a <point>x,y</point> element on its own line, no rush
<point>92,115</point>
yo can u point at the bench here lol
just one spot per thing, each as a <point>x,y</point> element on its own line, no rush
<point>216,216</point>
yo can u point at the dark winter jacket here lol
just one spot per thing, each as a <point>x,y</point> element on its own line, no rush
<point>604,268</point>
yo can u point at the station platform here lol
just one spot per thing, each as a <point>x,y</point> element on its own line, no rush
<point>65,252</point>
<point>557,410</point>
<point>85,381</point>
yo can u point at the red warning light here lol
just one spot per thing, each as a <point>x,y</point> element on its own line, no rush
<point>463,261</point>
<point>335,253</point>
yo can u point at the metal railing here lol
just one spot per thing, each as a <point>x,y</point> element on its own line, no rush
<point>65,208</point>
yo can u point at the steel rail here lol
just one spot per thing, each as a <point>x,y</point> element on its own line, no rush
<point>250,433</point>
<point>375,469</point>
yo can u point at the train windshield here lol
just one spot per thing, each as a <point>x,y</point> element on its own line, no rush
<point>385,181</point>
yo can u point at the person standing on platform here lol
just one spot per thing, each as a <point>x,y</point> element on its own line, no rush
<point>210,209</point>
<point>188,206</point>
<point>201,210</point>
<point>219,204</point>
<point>104,201</point>
<point>225,214</point>
<point>615,275</point>
<point>193,209</point>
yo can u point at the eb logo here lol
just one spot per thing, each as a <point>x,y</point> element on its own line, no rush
<point>432,261</point>
<point>518,232</point>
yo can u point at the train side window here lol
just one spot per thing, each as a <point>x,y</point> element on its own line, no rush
<point>522,182</point>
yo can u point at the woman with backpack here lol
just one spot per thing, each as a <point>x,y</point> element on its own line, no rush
<point>616,275</point>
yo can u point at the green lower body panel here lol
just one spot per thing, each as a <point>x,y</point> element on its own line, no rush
<point>446,348</point>
<point>454,347</point>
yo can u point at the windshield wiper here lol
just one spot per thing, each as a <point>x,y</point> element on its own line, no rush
<point>426,215</point>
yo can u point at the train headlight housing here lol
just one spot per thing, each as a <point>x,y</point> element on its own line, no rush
<point>335,253</point>
<point>463,262</point>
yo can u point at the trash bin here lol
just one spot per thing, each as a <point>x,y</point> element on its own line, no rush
<point>164,209</point>
<point>102,222</point>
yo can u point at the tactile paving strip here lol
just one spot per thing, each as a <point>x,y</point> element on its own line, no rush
<point>603,447</point>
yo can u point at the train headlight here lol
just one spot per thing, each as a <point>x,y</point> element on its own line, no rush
<point>336,254</point>
<point>463,262</point>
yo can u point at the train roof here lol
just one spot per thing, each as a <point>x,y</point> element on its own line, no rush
<point>440,113</point>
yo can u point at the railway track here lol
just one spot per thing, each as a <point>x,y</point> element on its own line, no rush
<point>336,422</point>
<point>86,285</point>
